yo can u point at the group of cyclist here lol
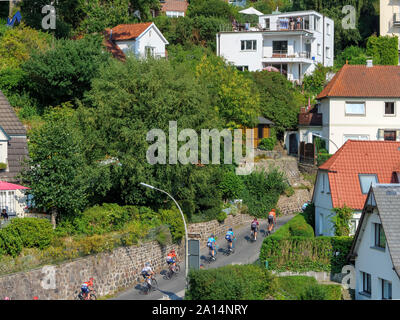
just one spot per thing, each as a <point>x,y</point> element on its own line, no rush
<point>230,237</point>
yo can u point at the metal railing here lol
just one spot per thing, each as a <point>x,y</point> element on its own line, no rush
<point>285,54</point>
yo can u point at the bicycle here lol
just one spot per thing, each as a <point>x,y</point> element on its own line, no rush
<point>267,232</point>
<point>228,251</point>
<point>252,235</point>
<point>153,285</point>
<point>172,271</point>
<point>92,295</point>
<point>210,258</point>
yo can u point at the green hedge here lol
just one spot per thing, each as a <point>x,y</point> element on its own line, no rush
<point>25,232</point>
<point>306,288</point>
<point>305,253</point>
<point>238,282</point>
<point>322,158</point>
<point>297,226</point>
<point>267,144</point>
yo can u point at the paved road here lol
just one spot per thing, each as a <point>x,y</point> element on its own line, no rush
<point>246,252</point>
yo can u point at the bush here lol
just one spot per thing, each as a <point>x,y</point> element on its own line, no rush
<point>313,292</point>
<point>238,282</point>
<point>267,144</point>
<point>306,288</point>
<point>231,185</point>
<point>309,215</point>
<point>297,226</point>
<point>222,216</point>
<point>173,219</point>
<point>3,166</point>
<point>322,157</point>
<point>32,232</point>
<point>299,254</point>
<point>262,191</point>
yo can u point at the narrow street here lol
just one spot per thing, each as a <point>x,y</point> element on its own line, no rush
<point>246,252</point>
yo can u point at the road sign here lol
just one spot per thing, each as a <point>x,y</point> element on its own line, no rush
<point>194,254</point>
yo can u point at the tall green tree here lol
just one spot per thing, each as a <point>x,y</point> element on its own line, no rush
<point>280,101</point>
<point>64,73</point>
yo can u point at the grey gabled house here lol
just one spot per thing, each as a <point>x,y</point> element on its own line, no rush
<point>13,142</point>
<point>376,247</point>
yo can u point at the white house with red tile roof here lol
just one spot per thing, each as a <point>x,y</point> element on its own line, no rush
<point>174,8</point>
<point>346,177</point>
<point>140,39</point>
<point>361,102</point>
<point>13,199</point>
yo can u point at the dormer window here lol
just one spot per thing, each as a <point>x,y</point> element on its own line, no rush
<point>366,180</point>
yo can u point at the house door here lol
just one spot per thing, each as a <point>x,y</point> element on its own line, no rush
<point>293,145</point>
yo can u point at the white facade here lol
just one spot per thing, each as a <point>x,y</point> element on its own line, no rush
<point>373,261</point>
<point>3,146</point>
<point>293,49</point>
<point>389,18</point>
<point>150,43</point>
<point>371,123</point>
<point>322,200</point>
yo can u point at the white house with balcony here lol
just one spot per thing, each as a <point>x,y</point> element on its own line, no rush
<point>389,20</point>
<point>375,251</point>
<point>361,102</point>
<point>293,42</point>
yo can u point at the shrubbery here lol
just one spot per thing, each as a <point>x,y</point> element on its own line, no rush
<point>297,226</point>
<point>25,232</point>
<point>238,282</point>
<point>267,143</point>
<point>306,254</point>
<point>306,288</point>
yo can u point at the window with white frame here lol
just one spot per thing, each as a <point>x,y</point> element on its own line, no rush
<point>319,49</point>
<point>242,68</point>
<point>389,109</point>
<point>149,51</point>
<point>366,180</point>
<point>379,236</point>
<point>328,29</point>
<point>328,52</point>
<point>386,289</point>
<point>7,201</point>
<point>355,109</point>
<point>366,283</point>
<point>353,226</point>
<point>248,45</point>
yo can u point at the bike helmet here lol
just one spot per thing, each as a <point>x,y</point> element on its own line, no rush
<point>230,229</point>
<point>212,235</point>
<point>147,264</point>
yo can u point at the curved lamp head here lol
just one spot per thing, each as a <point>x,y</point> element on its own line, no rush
<point>147,185</point>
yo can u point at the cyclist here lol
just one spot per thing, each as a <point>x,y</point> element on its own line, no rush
<point>147,272</point>
<point>271,220</point>
<point>171,259</point>
<point>254,227</point>
<point>211,243</point>
<point>85,291</point>
<point>230,237</point>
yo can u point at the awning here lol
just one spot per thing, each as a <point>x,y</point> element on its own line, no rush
<point>251,10</point>
<point>11,186</point>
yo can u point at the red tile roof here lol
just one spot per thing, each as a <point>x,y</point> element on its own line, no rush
<point>175,5</point>
<point>112,47</point>
<point>361,81</point>
<point>358,157</point>
<point>128,31</point>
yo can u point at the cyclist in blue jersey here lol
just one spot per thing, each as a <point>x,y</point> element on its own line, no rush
<point>211,243</point>
<point>230,237</point>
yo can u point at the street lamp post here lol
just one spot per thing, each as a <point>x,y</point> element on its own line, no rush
<point>322,137</point>
<point>184,223</point>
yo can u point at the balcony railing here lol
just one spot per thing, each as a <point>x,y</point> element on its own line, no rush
<point>285,54</point>
<point>396,19</point>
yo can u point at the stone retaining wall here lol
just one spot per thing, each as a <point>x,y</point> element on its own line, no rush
<point>319,276</point>
<point>289,205</point>
<point>203,230</point>
<point>111,270</point>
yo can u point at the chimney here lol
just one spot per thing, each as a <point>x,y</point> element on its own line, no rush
<point>369,64</point>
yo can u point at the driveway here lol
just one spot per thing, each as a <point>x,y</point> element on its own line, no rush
<point>246,252</point>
